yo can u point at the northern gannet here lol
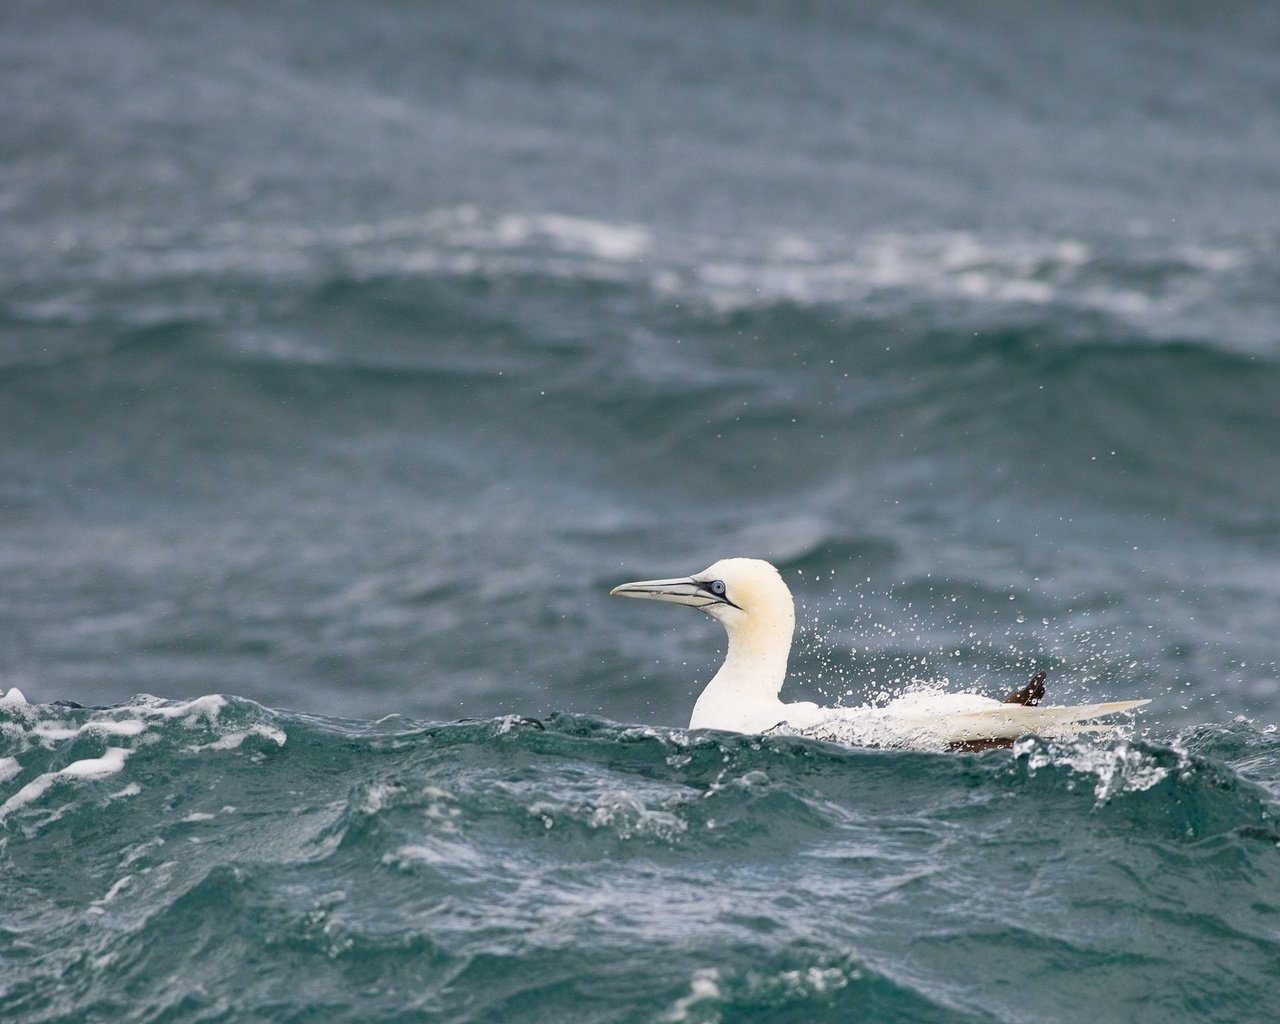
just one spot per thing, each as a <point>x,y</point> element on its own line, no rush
<point>749,598</point>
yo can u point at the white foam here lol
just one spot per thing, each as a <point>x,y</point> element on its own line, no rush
<point>50,731</point>
<point>112,727</point>
<point>142,850</point>
<point>111,893</point>
<point>703,987</point>
<point>1119,769</point>
<point>208,707</point>
<point>14,696</point>
<point>111,762</point>
<point>9,767</point>
<point>103,726</point>
<point>433,851</point>
<point>627,816</point>
<point>620,812</point>
<point>377,796</point>
<point>233,740</point>
<point>592,237</point>
<point>31,791</point>
<point>96,767</point>
<point>1216,260</point>
<point>813,980</point>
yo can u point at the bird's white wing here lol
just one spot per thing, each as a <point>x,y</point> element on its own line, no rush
<point>940,720</point>
<point>1008,721</point>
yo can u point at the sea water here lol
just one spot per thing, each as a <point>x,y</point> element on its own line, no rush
<point>348,358</point>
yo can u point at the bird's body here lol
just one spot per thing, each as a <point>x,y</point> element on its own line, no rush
<point>749,598</point>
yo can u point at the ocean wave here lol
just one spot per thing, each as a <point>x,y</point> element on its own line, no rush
<point>44,745</point>
<point>796,989</point>
<point>476,867</point>
<point>668,786</point>
<point>1155,288</point>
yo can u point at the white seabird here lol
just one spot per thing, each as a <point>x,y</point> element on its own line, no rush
<point>749,598</point>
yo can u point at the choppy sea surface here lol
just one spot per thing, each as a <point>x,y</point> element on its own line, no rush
<point>349,356</point>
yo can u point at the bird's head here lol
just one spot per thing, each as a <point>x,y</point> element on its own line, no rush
<point>742,593</point>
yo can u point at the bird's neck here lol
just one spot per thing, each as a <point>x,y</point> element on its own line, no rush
<point>744,693</point>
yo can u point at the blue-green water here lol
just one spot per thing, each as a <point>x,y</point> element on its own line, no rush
<point>349,356</point>
<point>246,863</point>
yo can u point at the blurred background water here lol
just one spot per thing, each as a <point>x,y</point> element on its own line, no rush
<point>349,355</point>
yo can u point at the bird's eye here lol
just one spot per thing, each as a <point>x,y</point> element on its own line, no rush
<point>716,587</point>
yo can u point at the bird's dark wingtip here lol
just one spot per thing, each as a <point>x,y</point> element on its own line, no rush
<point>1031,694</point>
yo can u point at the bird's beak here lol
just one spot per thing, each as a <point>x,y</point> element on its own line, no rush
<point>685,590</point>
